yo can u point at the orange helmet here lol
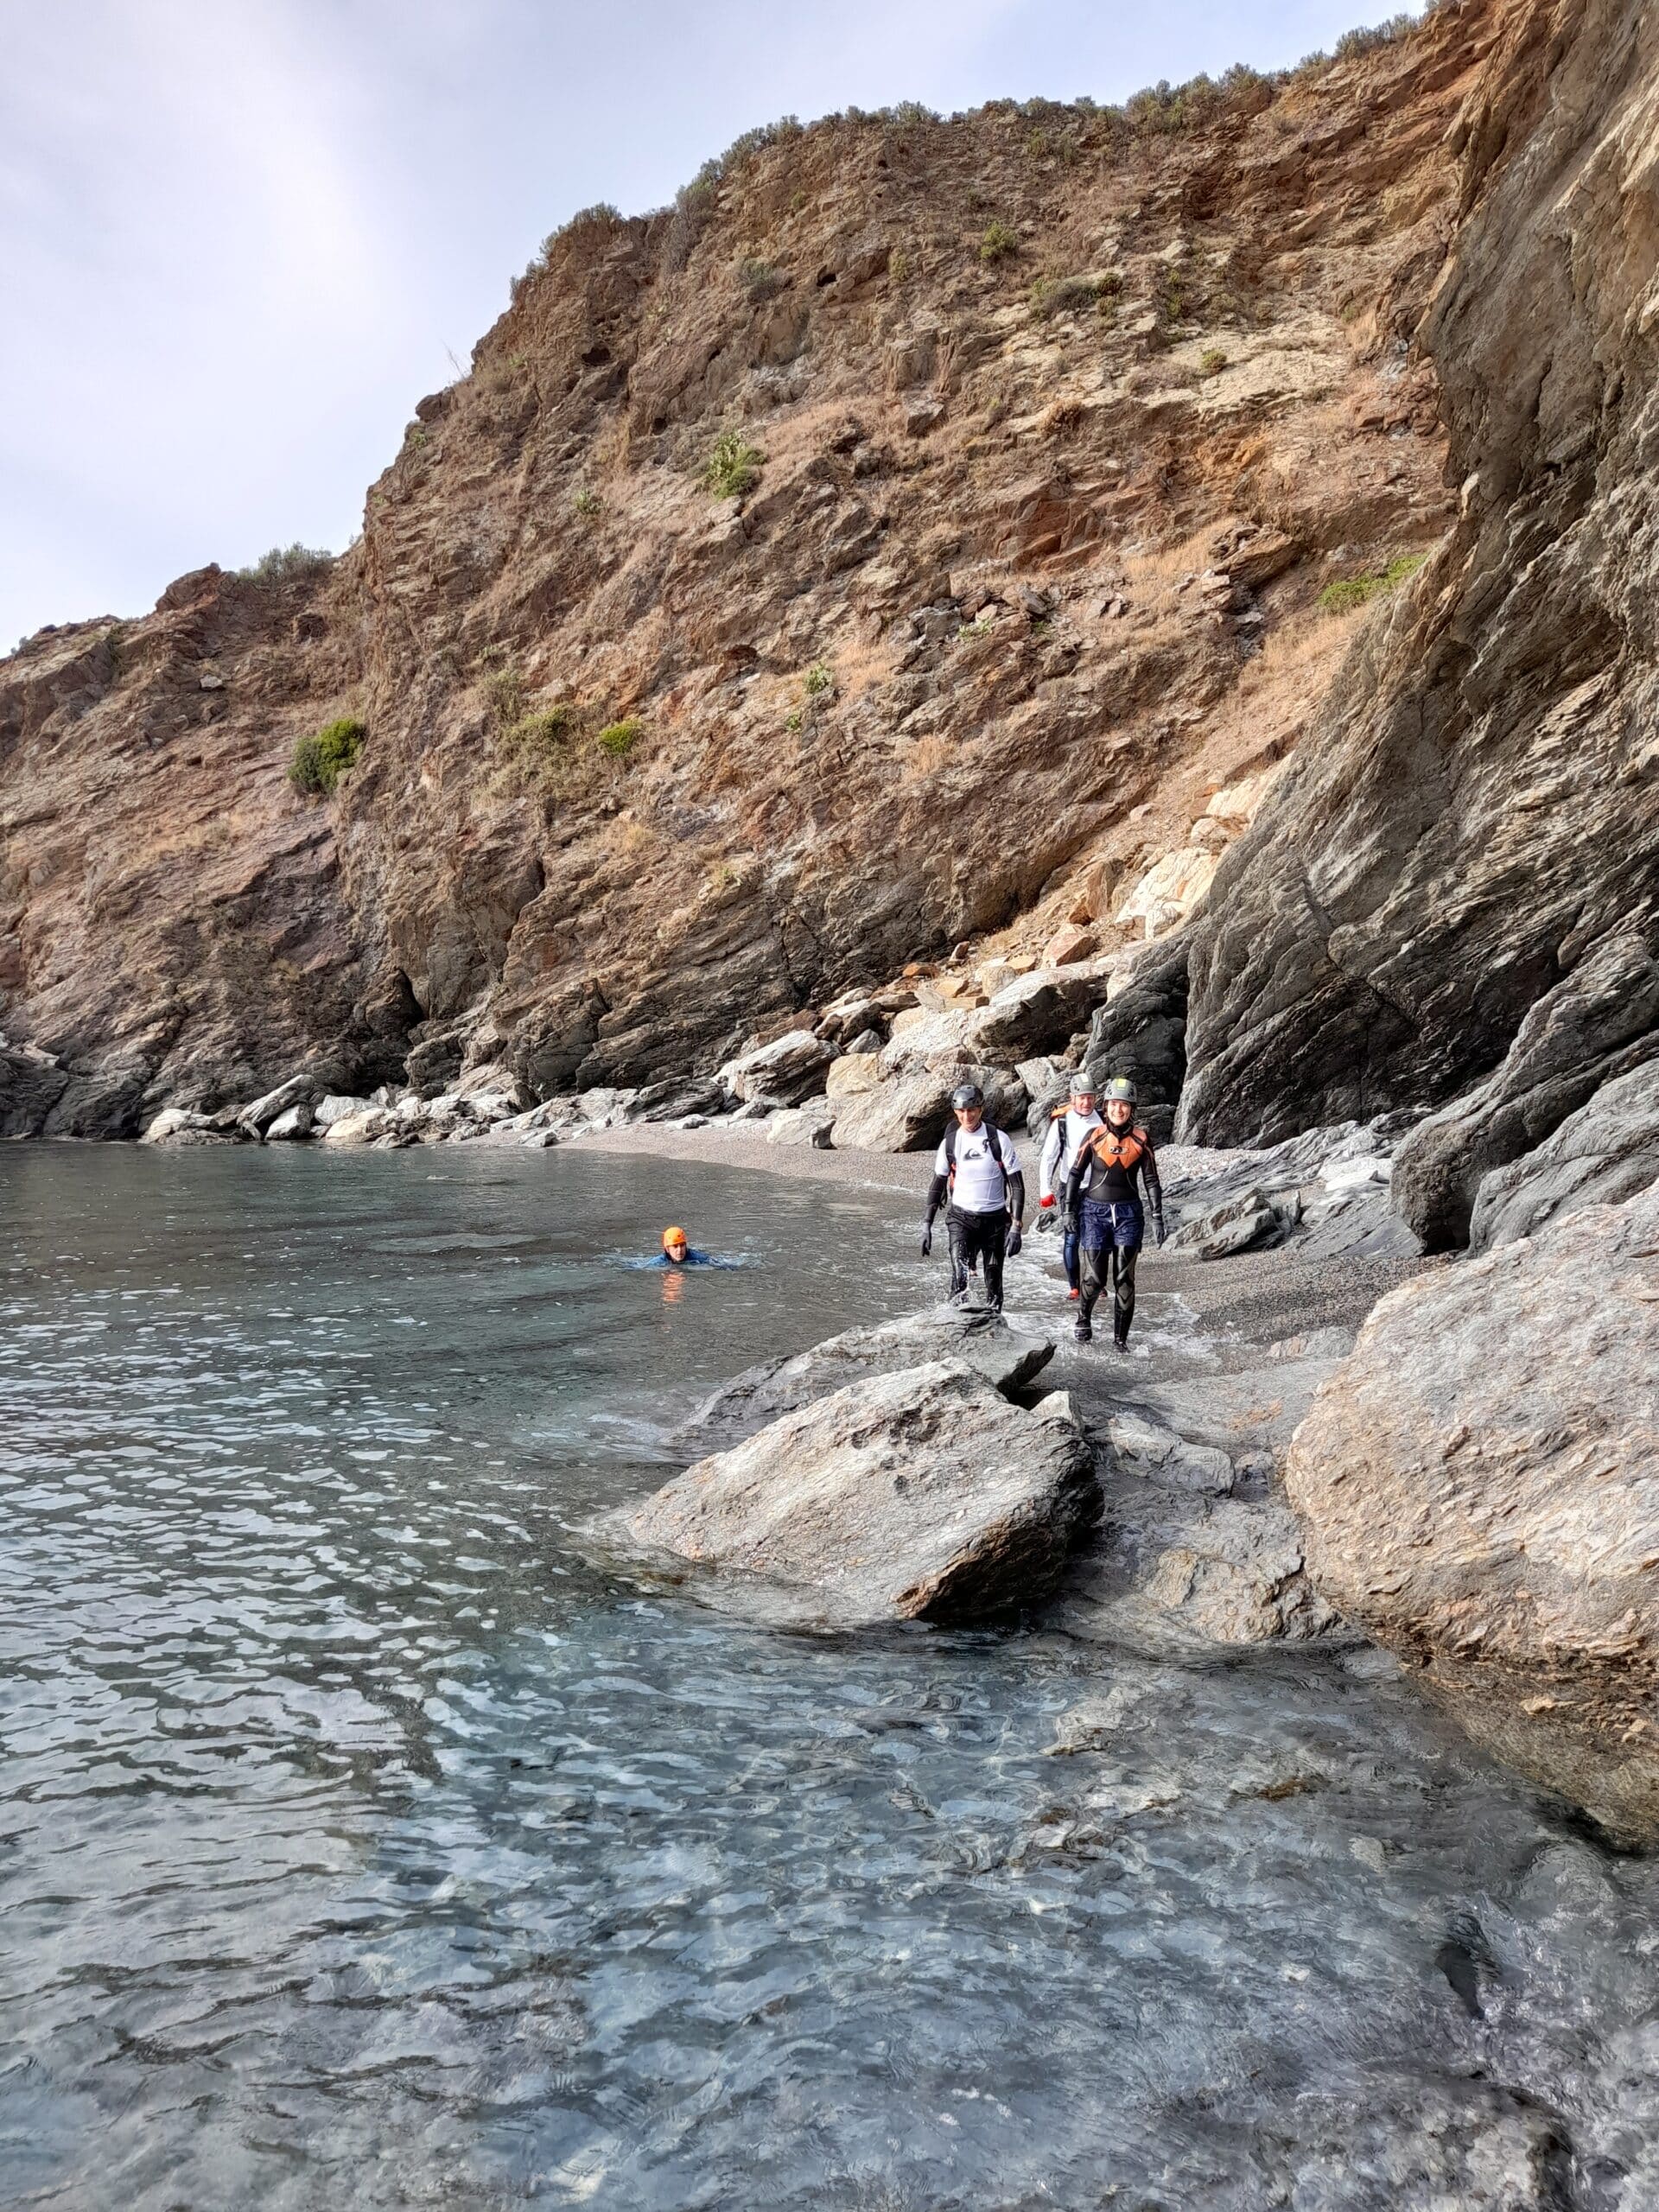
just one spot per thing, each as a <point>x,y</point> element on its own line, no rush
<point>673,1237</point>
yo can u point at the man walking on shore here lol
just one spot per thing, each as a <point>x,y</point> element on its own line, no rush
<point>1068,1126</point>
<point>979,1168</point>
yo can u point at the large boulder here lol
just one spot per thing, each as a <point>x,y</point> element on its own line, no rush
<point>919,1496</point>
<point>31,1084</point>
<point>1479,1489</point>
<point>1008,1358</point>
<point>1038,1013</point>
<point>1606,1151</point>
<point>783,1073</point>
<point>911,1113</point>
<point>1597,1025</point>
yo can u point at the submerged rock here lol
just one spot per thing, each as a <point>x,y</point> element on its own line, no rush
<point>1008,1358</point>
<point>1479,1486</point>
<point>922,1495</point>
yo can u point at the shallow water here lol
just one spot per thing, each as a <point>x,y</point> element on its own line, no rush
<point>359,1848</point>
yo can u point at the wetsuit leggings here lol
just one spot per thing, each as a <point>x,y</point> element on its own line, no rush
<point>1111,1238</point>
<point>981,1236</point>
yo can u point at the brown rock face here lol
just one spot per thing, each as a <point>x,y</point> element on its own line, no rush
<point>1478,1486</point>
<point>1042,432</point>
<point>1456,878</point>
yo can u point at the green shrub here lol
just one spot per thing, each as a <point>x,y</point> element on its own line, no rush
<point>1351,592</point>
<point>1053,295</point>
<point>585,502</point>
<point>547,731</point>
<point>734,466</point>
<point>319,762</point>
<point>998,242</point>
<point>760,280</point>
<point>619,739</point>
<point>818,680</point>
<point>1211,361</point>
<point>283,563</point>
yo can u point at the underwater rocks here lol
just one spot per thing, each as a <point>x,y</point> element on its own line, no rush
<point>1478,1487</point>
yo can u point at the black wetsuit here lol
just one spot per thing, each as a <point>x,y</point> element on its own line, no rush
<point>1101,1196</point>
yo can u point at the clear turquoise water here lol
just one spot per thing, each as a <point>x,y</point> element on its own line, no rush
<point>360,1847</point>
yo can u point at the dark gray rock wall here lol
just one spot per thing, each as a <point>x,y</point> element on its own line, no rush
<point>1477,815</point>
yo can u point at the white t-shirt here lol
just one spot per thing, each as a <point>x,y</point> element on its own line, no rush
<point>979,1186</point>
<point>1061,1150</point>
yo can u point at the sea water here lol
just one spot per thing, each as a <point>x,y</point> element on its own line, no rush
<point>359,1846</point>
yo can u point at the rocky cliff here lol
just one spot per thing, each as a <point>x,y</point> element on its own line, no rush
<point>903,540</point>
<point>1452,900</point>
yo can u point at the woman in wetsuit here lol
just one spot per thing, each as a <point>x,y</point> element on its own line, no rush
<point>1104,1204</point>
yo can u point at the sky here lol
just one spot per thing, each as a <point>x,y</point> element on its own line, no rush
<point>240,239</point>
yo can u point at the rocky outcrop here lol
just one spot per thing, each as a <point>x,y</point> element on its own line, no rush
<point>1008,1358</point>
<point>1142,1033</point>
<point>920,1496</point>
<point>1464,845</point>
<point>1478,1486</point>
<point>1608,1151</point>
<point>654,763</point>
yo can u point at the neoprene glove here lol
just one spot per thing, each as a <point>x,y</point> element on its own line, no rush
<point>1048,1219</point>
<point>1016,1238</point>
<point>927,1238</point>
<point>1158,1224</point>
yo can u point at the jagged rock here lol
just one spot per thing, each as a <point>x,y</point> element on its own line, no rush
<point>783,1073</point>
<point>336,1106</point>
<point>256,1119</point>
<point>1008,1358</point>
<point>855,1075</point>
<point>912,1113</point>
<point>1598,1024</point>
<point>1479,1489</point>
<point>1036,1014</point>
<point>1234,1226</point>
<point>1606,1151</point>
<point>812,1124</point>
<point>1474,810</point>
<point>918,1496</point>
<point>672,1100</point>
<point>292,1125</point>
<point>176,1125</point>
<point>1141,1447</point>
<point>366,1127</point>
<point>1140,1033</point>
<point>31,1084</point>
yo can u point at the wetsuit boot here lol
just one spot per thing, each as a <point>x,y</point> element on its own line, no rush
<point>1123,1297</point>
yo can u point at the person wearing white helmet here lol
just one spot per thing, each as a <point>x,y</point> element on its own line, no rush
<point>1104,1203</point>
<point>978,1167</point>
<point>1067,1128</point>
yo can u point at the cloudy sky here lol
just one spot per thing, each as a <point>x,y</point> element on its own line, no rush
<point>240,238</point>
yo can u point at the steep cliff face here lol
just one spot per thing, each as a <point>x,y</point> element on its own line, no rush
<point>1457,884</point>
<point>1052,425</point>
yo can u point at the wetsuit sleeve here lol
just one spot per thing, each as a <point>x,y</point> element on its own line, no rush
<point>1149,1176</point>
<point>1048,1167</point>
<point>1077,1179</point>
<point>936,1191</point>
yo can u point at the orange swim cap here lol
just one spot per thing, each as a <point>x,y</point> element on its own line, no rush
<point>672,1236</point>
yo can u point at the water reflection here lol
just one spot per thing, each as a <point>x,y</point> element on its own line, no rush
<point>359,1846</point>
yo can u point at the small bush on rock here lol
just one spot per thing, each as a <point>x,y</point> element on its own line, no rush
<point>1211,361</point>
<point>734,466</point>
<point>1351,592</point>
<point>619,739</point>
<point>285,563</point>
<point>998,242</point>
<point>320,762</point>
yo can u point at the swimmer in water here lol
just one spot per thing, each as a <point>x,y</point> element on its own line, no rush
<point>678,1253</point>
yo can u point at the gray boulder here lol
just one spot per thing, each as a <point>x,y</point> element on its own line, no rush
<point>1599,1024</point>
<point>336,1106</point>
<point>1479,1489</point>
<point>811,1125</point>
<point>919,1496</point>
<point>1237,1225</point>
<point>783,1073</point>
<point>1608,1151</point>
<point>256,1119</point>
<point>31,1084</point>
<point>291,1126</point>
<point>1008,1358</point>
<point>911,1112</point>
<point>1037,1014</point>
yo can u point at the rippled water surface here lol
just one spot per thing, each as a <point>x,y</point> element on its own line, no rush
<point>360,1847</point>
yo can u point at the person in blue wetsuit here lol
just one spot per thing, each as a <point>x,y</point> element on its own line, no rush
<point>678,1253</point>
